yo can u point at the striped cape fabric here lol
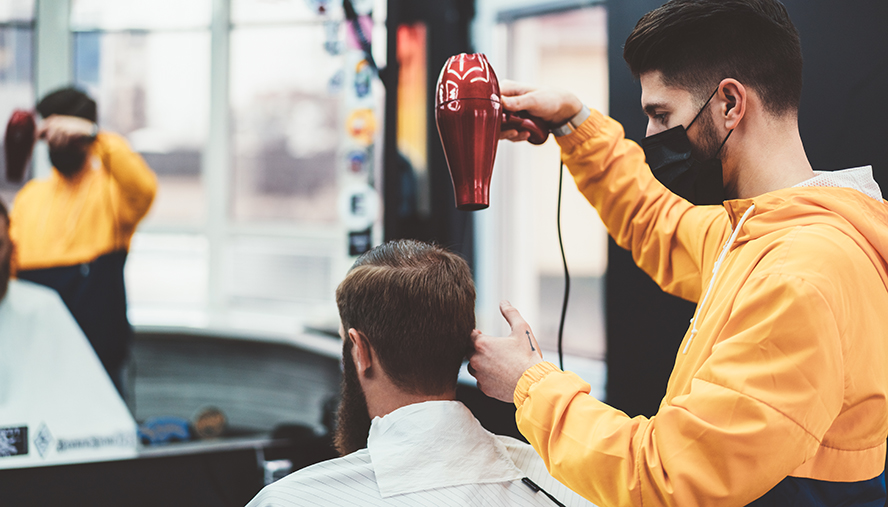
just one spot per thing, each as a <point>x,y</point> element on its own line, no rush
<point>427,454</point>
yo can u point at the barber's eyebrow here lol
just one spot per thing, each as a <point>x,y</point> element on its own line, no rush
<point>651,109</point>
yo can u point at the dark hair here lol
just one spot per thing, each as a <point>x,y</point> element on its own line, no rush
<point>4,213</point>
<point>68,101</point>
<point>415,303</point>
<point>697,43</point>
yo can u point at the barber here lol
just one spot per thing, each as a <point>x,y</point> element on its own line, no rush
<point>72,230</point>
<point>779,393</point>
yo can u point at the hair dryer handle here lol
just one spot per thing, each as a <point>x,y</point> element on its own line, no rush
<point>18,144</point>
<point>524,122</point>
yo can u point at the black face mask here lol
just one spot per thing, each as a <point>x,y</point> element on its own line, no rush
<point>70,159</point>
<point>668,154</point>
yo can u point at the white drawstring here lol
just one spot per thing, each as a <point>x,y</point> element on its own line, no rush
<point>715,268</point>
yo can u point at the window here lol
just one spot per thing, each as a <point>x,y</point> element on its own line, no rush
<point>239,107</point>
<point>517,236</point>
<point>149,73</point>
<point>285,117</point>
<point>289,110</point>
<point>16,75</point>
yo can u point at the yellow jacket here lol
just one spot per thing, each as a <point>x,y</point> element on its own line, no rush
<point>61,222</point>
<point>786,372</point>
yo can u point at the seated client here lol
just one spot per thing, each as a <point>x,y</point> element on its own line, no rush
<point>407,312</point>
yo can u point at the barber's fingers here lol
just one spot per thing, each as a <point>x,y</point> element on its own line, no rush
<point>474,357</point>
<point>527,102</point>
<point>60,130</point>
<point>548,104</point>
<point>514,135</point>
<point>476,334</point>
<point>48,130</point>
<point>55,138</point>
<point>485,365</point>
<point>520,329</point>
<point>517,96</point>
<point>479,341</point>
<point>509,88</point>
<point>53,132</point>
<point>510,313</point>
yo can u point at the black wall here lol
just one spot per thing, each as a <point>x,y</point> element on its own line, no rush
<point>843,124</point>
<point>447,33</point>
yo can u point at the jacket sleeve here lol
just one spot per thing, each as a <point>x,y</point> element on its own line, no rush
<point>757,408</point>
<point>135,183</point>
<point>669,237</point>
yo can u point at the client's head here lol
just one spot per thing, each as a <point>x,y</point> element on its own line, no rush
<point>407,311</point>
<point>5,251</point>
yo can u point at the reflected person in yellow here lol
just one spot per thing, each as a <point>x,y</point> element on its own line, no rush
<point>72,230</point>
<point>51,381</point>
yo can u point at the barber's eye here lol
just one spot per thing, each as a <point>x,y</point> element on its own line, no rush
<point>660,118</point>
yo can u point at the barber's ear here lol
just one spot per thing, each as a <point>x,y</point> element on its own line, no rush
<point>734,99</point>
<point>362,353</point>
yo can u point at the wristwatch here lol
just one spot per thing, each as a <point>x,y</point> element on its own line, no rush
<point>572,124</point>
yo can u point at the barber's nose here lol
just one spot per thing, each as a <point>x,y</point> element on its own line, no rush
<point>653,128</point>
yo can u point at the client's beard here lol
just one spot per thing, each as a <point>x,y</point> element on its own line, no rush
<point>352,418</point>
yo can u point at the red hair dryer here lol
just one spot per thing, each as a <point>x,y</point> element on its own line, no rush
<point>19,143</point>
<point>469,114</point>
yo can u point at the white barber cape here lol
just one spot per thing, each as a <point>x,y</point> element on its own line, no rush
<point>57,404</point>
<point>433,453</point>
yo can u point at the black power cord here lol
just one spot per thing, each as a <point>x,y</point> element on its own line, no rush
<point>536,489</point>
<point>566,273</point>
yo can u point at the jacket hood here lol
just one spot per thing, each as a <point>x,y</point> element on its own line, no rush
<point>849,200</point>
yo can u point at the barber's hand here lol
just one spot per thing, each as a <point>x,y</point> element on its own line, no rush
<point>60,130</point>
<point>498,363</point>
<point>549,104</point>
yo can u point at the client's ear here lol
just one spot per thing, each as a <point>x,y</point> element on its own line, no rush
<point>362,353</point>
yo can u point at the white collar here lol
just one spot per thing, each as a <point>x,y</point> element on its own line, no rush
<point>432,445</point>
<point>858,178</point>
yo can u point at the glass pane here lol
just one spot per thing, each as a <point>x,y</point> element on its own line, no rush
<point>286,110</point>
<point>566,42</point>
<point>153,88</point>
<point>566,50</point>
<point>167,279</point>
<point>139,14</point>
<point>16,10</point>
<point>16,88</point>
<point>282,11</point>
